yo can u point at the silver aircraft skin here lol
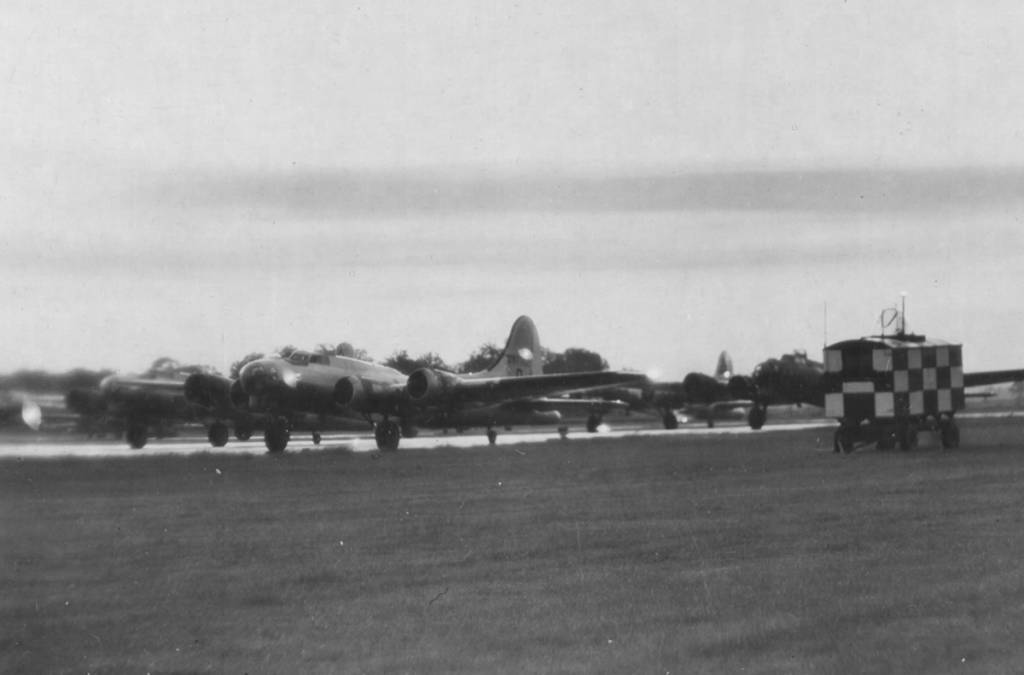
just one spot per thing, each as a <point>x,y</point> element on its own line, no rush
<point>513,391</point>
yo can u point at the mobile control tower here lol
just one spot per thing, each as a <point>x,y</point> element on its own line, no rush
<point>884,389</point>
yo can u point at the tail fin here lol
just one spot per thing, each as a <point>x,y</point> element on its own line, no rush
<point>522,354</point>
<point>723,369</point>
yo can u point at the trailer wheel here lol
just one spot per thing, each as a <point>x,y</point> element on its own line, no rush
<point>886,440</point>
<point>843,441</point>
<point>950,434</point>
<point>908,437</point>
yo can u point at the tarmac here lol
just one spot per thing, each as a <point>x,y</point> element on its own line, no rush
<point>27,446</point>
<point>48,446</point>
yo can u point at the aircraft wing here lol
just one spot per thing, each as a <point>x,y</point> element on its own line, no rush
<point>599,406</point>
<point>992,377</point>
<point>427,387</point>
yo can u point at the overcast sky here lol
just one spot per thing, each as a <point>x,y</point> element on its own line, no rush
<point>656,181</point>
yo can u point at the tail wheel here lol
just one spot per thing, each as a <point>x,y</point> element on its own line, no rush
<point>593,422</point>
<point>669,420</point>
<point>388,434</point>
<point>137,435</point>
<point>757,416</point>
<point>492,436</point>
<point>218,434</point>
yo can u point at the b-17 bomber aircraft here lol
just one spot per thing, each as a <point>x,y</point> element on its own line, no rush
<point>512,391</point>
<point>698,395</point>
<point>788,380</point>
<point>141,406</point>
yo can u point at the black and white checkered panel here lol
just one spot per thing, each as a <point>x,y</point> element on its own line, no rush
<point>915,380</point>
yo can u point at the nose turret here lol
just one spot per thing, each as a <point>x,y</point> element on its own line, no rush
<point>259,377</point>
<point>266,376</point>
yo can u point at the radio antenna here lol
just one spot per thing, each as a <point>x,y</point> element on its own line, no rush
<point>825,325</point>
<point>903,312</point>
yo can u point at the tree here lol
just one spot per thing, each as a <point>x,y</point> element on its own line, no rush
<point>482,359</point>
<point>574,360</point>
<point>405,364</point>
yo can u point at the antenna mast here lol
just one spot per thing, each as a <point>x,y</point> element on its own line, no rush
<point>903,312</point>
<point>825,325</point>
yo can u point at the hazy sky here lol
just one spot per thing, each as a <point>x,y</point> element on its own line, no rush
<point>653,180</point>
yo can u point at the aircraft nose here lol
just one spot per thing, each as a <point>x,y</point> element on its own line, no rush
<point>258,377</point>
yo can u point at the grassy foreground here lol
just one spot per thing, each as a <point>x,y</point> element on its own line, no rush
<point>684,554</point>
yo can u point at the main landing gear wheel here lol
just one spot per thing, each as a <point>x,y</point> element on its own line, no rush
<point>593,422</point>
<point>950,434</point>
<point>669,420</point>
<point>757,416</point>
<point>492,436</point>
<point>218,434</point>
<point>276,437</point>
<point>387,434</point>
<point>137,435</point>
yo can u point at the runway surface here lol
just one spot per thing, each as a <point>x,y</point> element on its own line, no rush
<point>25,447</point>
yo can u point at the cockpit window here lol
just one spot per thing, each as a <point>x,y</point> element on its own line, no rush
<point>318,358</point>
<point>299,358</point>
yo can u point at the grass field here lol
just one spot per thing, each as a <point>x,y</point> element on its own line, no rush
<point>681,554</point>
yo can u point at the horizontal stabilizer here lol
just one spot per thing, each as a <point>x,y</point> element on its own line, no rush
<point>992,377</point>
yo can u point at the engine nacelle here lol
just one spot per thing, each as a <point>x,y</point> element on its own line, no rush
<point>742,387</point>
<point>208,391</point>
<point>350,392</point>
<point>239,399</point>
<point>700,388</point>
<point>426,384</point>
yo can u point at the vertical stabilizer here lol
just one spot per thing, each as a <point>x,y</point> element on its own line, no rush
<point>522,354</point>
<point>723,369</point>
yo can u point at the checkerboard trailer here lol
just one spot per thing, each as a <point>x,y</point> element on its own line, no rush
<point>884,389</point>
